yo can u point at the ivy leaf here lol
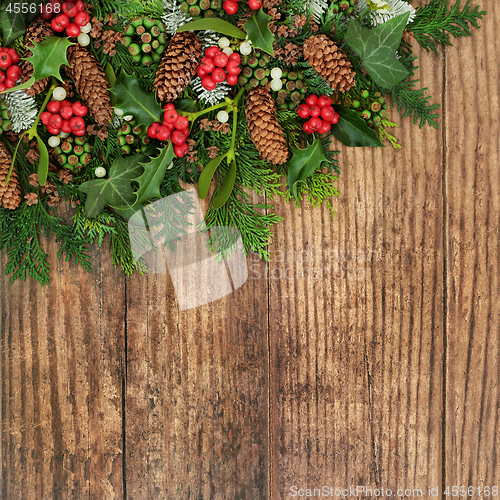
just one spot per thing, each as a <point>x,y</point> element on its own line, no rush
<point>226,188</point>
<point>377,48</point>
<point>115,191</point>
<point>258,31</point>
<point>133,100</point>
<point>48,56</point>
<point>213,24</point>
<point>352,130</point>
<point>304,162</point>
<point>154,172</point>
<point>14,23</point>
<point>207,175</point>
<point>43,162</point>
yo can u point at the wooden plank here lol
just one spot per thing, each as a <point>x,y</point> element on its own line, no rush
<point>62,363</point>
<point>356,372</point>
<point>197,393</point>
<point>472,433</point>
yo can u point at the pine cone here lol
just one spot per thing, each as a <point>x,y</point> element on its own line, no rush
<point>264,128</point>
<point>90,82</point>
<point>37,31</point>
<point>177,66</point>
<point>10,195</point>
<point>330,62</point>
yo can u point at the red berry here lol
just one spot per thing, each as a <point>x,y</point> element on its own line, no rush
<point>79,133</point>
<point>60,22</point>
<point>336,117</point>
<point>230,7</point>
<point>77,123</point>
<point>307,128</point>
<point>312,100</point>
<point>82,18</point>
<point>233,68</point>
<point>52,130</point>
<point>79,109</point>
<point>14,72</point>
<point>208,82</point>
<point>304,111</point>
<point>325,127</point>
<point>66,112</point>
<point>180,150</point>
<point>69,8</point>
<point>219,75</point>
<point>322,101</point>
<point>153,129</point>
<point>235,57</point>
<point>255,4</point>
<point>207,64</point>
<point>169,105</point>
<point>14,56</point>
<point>315,123</point>
<point>2,76</point>
<point>232,79</point>
<point>170,115</point>
<point>44,12</point>
<point>182,122</point>
<point>73,30</point>
<point>179,137</point>
<point>170,126</point>
<point>10,83</point>
<point>315,111</point>
<point>327,113</point>
<point>212,51</point>
<point>54,107</point>
<point>65,103</point>
<point>3,87</point>
<point>5,60</point>
<point>55,121</point>
<point>163,133</point>
<point>66,127</point>
<point>45,117</point>
<point>79,6</point>
<point>200,72</point>
<point>221,60</point>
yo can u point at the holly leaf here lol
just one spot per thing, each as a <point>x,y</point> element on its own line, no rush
<point>134,100</point>
<point>48,56</point>
<point>15,18</point>
<point>213,24</point>
<point>154,172</point>
<point>304,162</point>
<point>353,131</point>
<point>377,48</point>
<point>257,28</point>
<point>115,191</point>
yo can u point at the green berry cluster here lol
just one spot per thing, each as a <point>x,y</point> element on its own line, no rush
<point>344,6</point>
<point>198,9</point>
<point>133,138</point>
<point>371,107</point>
<point>254,70</point>
<point>5,123</point>
<point>74,152</point>
<point>145,39</point>
<point>293,92</point>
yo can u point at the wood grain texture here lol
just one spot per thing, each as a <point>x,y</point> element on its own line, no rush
<point>472,432</point>
<point>197,393</point>
<point>356,356</point>
<point>62,364</point>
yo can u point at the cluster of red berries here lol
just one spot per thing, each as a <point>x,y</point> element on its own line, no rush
<point>216,67</point>
<point>320,112</point>
<point>63,116</point>
<point>231,6</point>
<point>8,62</point>
<point>174,127</point>
<point>64,12</point>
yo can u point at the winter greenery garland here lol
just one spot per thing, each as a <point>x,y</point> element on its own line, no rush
<point>259,131</point>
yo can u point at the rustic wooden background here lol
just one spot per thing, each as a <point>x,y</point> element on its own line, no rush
<point>384,372</point>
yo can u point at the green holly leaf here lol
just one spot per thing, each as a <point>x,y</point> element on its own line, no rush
<point>134,100</point>
<point>154,172</point>
<point>377,49</point>
<point>213,24</point>
<point>304,162</point>
<point>115,191</point>
<point>15,17</point>
<point>257,28</point>
<point>352,130</point>
<point>48,56</point>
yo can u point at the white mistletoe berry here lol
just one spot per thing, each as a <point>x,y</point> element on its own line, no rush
<point>222,116</point>
<point>100,172</point>
<point>223,42</point>
<point>59,94</point>
<point>83,39</point>
<point>276,73</point>
<point>86,29</point>
<point>276,84</point>
<point>54,141</point>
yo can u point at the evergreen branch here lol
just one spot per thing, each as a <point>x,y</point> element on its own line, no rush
<point>434,23</point>
<point>382,133</point>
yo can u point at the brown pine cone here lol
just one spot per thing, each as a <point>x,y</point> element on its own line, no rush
<point>330,62</point>
<point>177,66</point>
<point>37,31</point>
<point>90,82</point>
<point>10,195</point>
<point>264,128</point>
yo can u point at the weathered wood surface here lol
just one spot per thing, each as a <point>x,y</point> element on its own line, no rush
<point>365,353</point>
